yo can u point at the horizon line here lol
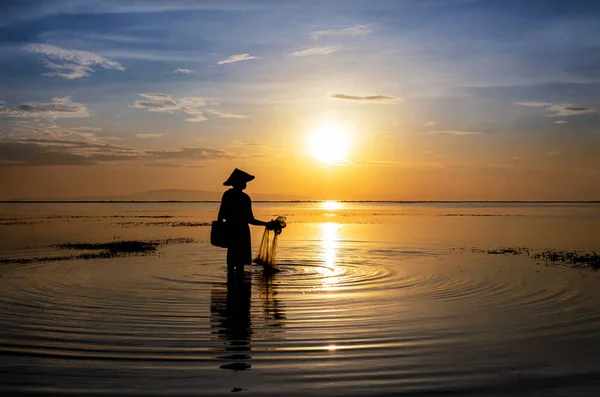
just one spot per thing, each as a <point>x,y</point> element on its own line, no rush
<point>293,201</point>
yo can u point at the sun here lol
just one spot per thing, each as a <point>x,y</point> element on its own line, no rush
<point>329,144</point>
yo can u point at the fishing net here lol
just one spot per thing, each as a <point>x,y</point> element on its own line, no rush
<point>268,245</point>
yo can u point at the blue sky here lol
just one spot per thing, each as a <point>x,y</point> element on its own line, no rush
<point>428,85</point>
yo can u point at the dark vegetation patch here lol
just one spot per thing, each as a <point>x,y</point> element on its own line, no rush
<point>162,224</point>
<point>585,259</point>
<point>84,217</point>
<point>113,247</point>
<point>33,220</point>
<point>108,216</point>
<point>348,213</point>
<point>18,223</point>
<point>505,251</point>
<point>479,215</point>
<point>110,249</point>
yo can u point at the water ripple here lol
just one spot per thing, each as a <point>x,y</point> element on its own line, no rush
<point>398,319</point>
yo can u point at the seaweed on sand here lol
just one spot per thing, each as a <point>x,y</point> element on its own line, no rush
<point>109,249</point>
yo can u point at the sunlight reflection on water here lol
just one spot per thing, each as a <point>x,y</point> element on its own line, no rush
<point>331,205</point>
<point>329,245</point>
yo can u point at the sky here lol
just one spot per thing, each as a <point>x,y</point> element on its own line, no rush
<point>336,100</point>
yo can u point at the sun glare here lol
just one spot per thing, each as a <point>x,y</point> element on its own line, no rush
<point>329,144</point>
<point>331,205</point>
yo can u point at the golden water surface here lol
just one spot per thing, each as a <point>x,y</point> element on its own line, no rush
<point>372,299</point>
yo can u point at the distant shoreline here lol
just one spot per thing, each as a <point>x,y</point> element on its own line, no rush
<point>302,201</point>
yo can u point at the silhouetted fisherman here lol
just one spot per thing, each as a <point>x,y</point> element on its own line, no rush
<point>236,210</point>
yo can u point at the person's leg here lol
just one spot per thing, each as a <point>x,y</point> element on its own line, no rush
<point>230,262</point>
<point>239,269</point>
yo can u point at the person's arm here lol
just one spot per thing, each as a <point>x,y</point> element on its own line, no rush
<point>256,222</point>
<point>253,220</point>
<point>222,212</point>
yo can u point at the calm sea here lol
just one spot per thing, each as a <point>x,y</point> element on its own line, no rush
<point>372,299</point>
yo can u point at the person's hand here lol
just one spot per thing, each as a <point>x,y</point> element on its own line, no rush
<point>274,225</point>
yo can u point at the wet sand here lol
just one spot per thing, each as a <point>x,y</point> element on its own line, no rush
<point>371,300</point>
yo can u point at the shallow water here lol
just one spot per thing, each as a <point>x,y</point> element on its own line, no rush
<point>372,299</point>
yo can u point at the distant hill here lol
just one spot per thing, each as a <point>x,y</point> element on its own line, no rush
<point>168,195</point>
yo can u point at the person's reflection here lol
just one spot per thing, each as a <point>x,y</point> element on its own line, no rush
<point>231,309</point>
<point>273,309</point>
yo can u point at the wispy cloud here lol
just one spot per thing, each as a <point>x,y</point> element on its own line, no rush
<point>316,51</point>
<point>555,153</point>
<point>148,136</point>
<point>247,143</point>
<point>225,115</point>
<point>70,64</point>
<point>561,122</point>
<point>14,154</point>
<point>351,31</point>
<point>110,7</point>
<point>58,108</point>
<point>65,152</point>
<point>50,151</point>
<point>533,104</point>
<point>366,98</point>
<point>196,153</point>
<point>428,124</point>
<point>557,109</point>
<point>159,102</point>
<point>193,106</point>
<point>237,58</point>
<point>451,132</point>
<point>184,71</point>
<point>49,129</point>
